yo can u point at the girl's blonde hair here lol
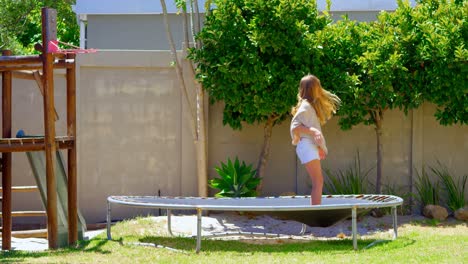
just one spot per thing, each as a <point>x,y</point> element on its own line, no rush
<point>324,102</point>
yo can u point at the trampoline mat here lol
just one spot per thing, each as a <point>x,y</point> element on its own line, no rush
<point>334,208</point>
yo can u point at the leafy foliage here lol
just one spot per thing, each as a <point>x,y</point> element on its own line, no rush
<point>397,62</point>
<point>20,23</point>
<point>455,190</point>
<point>255,52</point>
<point>438,32</point>
<point>338,46</point>
<point>427,192</point>
<point>235,180</point>
<point>253,55</point>
<point>351,181</point>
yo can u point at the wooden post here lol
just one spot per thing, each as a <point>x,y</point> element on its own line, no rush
<point>72,170</point>
<point>6,158</point>
<point>49,22</point>
<point>37,77</point>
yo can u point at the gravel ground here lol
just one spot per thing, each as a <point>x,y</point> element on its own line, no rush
<point>41,244</point>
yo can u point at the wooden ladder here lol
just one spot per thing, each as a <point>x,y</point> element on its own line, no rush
<point>41,233</point>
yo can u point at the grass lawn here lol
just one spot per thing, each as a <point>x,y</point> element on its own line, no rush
<point>418,242</point>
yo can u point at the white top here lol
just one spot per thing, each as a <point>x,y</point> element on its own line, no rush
<point>307,116</point>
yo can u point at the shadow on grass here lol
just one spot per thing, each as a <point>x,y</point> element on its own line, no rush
<point>94,245</point>
<point>210,245</point>
<point>187,245</point>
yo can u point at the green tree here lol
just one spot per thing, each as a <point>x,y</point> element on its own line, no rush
<point>396,62</point>
<point>20,23</point>
<point>438,32</point>
<point>253,56</point>
<point>362,63</point>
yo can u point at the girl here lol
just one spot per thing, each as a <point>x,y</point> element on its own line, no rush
<point>314,107</point>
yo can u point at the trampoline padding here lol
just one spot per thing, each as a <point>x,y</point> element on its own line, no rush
<point>334,208</point>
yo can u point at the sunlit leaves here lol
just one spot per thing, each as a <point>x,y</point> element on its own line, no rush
<point>20,23</point>
<point>404,58</point>
<point>254,54</point>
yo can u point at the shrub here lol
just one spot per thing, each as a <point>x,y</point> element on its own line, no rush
<point>455,191</point>
<point>351,181</point>
<point>235,180</point>
<point>427,192</point>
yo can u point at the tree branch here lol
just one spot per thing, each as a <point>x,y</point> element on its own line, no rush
<point>198,20</point>
<point>178,68</point>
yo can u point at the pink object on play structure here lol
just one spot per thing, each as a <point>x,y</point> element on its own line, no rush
<point>53,47</point>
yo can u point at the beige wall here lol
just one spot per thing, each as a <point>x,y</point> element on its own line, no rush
<point>131,130</point>
<point>133,137</point>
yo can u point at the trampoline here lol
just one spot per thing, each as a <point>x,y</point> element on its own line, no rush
<point>334,208</point>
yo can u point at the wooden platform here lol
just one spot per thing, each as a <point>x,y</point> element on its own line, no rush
<point>33,144</point>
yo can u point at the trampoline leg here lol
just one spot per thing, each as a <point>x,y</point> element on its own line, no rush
<point>169,224</point>
<point>354,227</point>
<point>109,237</point>
<point>303,229</point>
<point>395,226</point>
<point>199,224</point>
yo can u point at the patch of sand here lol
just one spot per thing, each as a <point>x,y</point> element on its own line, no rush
<point>287,230</point>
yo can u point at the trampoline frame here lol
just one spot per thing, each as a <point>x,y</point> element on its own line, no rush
<point>377,201</point>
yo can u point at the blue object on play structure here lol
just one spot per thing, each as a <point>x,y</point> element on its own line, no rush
<point>20,133</point>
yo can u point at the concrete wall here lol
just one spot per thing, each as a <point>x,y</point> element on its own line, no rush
<point>134,138</point>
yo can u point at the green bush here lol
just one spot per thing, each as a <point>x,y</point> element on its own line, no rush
<point>235,180</point>
<point>427,192</point>
<point>20,24</point>
<point>351,181</point>
<point>455,191</point>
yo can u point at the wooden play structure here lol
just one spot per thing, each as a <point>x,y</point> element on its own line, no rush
<point>40,68</point>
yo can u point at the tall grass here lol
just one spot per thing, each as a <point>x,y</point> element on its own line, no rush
<point>455,191</point>
<point>350,181</point>
<point>427,192</point>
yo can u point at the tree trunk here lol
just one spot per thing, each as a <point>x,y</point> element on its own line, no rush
<point>262,161</point>
<point>378,117</point>
<point>178,68</point>
<point>197,121</point>
<point>201,143</point>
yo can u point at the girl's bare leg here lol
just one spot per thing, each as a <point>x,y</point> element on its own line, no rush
<point>315,172</point>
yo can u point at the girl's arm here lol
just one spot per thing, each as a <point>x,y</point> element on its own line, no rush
<point>322,153</point>
<point>315,133</point>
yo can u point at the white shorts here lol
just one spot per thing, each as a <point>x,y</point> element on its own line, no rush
<point>307,151</point>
